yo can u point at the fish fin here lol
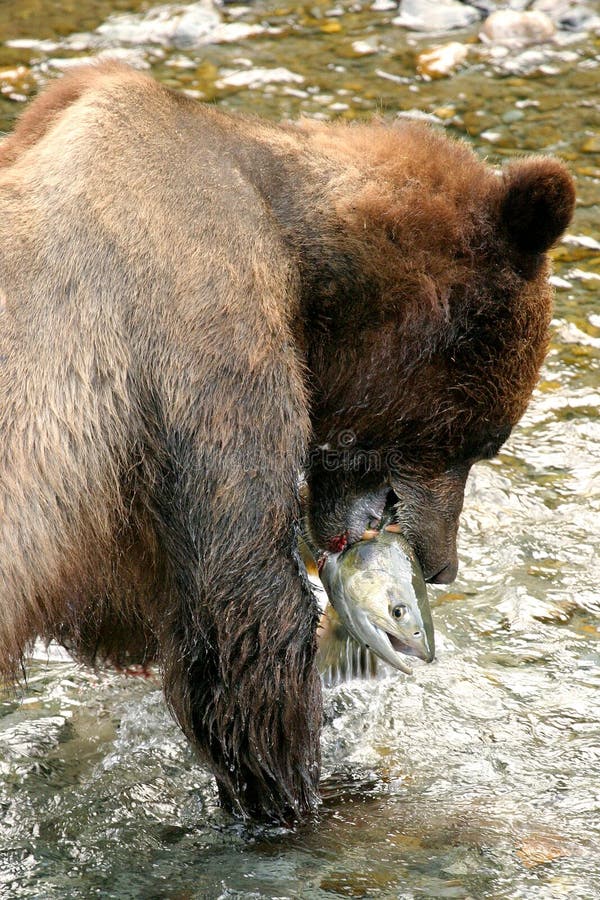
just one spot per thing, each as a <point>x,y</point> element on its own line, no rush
<point>339,657</point>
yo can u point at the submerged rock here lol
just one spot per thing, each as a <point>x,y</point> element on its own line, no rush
<point>17,82</point>
<point>383,5</point>
<point>441,60</point>
<point>172,25</point>
<point>512,28</point>
<point>181,26</point>
<point>255,77</point>
<point>570,15</point>
<point>435,15</point>
<point>489,6</point>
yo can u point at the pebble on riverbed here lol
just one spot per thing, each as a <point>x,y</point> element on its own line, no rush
<point>440,61</point>
<point>17,82</point>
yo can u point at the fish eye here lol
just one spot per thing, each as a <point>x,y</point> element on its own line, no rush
<point>398,611</point>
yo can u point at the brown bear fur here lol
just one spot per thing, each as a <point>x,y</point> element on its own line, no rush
<point>195,306</point>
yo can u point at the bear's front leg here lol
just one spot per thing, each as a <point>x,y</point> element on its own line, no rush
<point>241,677</point>
<point>236,625</point>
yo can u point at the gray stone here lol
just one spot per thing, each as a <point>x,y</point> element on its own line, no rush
<point>436,15</point>
<point>569,15</point>
<point>490,6</point>
<point>519,29</point>
<point>178,26</point>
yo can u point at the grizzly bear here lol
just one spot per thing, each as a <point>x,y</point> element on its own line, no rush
<point>195,309</point>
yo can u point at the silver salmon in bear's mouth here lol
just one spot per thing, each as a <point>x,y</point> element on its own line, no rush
<point>377,588</point>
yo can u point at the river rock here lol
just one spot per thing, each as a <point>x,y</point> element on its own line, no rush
<point>519,29</point>
<point>384,5</point>
<point>182,26</point>
<point>435,15</point>
<point>569,15</point>
<point>167,25</point>
<point>17,82</point>
<point>442,60</point>
<point>489,6</point>
<point>256,77</point>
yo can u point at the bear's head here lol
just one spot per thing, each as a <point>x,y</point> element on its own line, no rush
<point>427,332</point>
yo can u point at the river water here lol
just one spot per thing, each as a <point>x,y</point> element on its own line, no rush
<point>477,777</point>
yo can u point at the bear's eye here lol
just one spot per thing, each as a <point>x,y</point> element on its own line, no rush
<point>488,447</point>
<point>489,451</point>
<point>493,446</point>
<point>399,611</point>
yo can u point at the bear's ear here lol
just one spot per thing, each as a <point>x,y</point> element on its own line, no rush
<point>537,203</point>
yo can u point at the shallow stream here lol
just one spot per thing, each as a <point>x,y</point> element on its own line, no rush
<point>478,777</point>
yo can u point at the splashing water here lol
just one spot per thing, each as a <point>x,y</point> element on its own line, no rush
<point>478,777</point>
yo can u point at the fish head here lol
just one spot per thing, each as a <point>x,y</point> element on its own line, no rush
<point>379,593</point>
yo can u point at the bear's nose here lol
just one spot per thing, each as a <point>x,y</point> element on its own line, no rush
<point>446,574</point>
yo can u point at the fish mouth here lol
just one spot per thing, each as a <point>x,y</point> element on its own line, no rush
<point>371,636</point>
<point>380,642</point>
<point>421,648</point>
<point>389,647</point>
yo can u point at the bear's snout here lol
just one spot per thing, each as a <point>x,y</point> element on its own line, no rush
<point>446,574</point>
